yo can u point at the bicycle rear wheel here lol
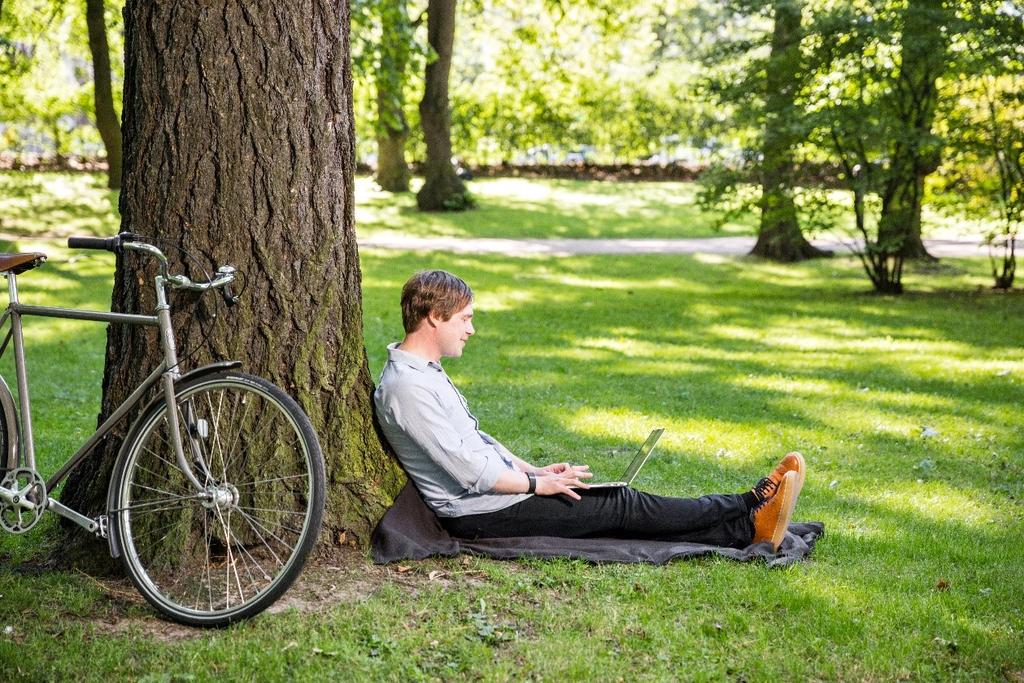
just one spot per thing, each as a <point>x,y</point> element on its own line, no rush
<point>229,551</point>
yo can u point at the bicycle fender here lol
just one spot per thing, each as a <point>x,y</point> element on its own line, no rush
<point>209,370</point>
<point>113,539</point>
<point>9,414</point>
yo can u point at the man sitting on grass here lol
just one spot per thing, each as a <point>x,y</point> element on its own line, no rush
<point>479,489</point>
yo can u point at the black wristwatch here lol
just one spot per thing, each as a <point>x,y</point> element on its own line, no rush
<point>532,479</point>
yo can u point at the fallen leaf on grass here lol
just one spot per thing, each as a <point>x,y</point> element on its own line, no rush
<point>324,653</point>
<point>290,646</point>
<point>435,575</point>
<point>402,568</point>
<point>942,585</point>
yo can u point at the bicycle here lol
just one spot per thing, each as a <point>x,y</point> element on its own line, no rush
<point>212,507</point>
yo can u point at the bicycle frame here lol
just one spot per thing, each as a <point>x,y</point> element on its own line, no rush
<point>167,371</point>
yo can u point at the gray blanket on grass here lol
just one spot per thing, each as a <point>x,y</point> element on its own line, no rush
<point>410,531</point>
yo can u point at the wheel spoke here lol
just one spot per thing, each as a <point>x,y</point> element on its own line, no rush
<point>267,481</point>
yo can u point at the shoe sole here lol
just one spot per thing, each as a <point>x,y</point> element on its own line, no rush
<point>801,470</point>
<point>789,495</point>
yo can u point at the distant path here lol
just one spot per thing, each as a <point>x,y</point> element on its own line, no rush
<point>732,246</point>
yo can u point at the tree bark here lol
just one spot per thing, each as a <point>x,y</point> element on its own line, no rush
<point>442,190</point>
<point>392,129</point>
<point>103,99</point>
<point>779,237</point>
<point>239,148</point>
<point>917,151</point>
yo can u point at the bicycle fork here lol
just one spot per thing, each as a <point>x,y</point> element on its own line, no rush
<point>163,314</point>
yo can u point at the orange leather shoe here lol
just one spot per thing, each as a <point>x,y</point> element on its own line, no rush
<point>791,462</point>
<point>772,516</point>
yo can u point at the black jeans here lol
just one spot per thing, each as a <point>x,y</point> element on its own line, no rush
<point>721,520</point>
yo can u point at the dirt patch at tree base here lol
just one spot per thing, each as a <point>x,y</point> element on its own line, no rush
<point>339,576</point>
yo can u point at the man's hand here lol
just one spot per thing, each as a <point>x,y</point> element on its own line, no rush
<point>552,483</point>
<point>564,469</point>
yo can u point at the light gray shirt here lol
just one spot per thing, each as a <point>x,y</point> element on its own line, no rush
<point>438,441</point>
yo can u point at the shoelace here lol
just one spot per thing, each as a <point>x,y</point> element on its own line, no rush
<point>764,490</point>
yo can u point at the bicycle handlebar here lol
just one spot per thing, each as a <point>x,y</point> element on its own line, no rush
<point>129,241</point>
<point>102,243</point>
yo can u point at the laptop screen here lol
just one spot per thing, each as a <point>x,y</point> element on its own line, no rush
<point>642,455</point>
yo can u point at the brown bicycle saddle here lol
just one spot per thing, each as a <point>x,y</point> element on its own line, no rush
<point>19,263</point>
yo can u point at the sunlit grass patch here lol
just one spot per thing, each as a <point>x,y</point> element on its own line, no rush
<point>544,208</point>
<point>61,204</point>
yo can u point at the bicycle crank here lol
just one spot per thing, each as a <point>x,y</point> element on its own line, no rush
<point>22,500</point>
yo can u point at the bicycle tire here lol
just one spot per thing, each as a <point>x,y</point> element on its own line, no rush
<point>226,554</point>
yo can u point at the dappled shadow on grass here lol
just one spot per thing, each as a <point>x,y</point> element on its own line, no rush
<point>517,208</point>
<point>57,204</point>
<point>729,362</point>
<point>583,356</point>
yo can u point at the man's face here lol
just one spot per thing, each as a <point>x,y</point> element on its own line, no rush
<point>453,333</point>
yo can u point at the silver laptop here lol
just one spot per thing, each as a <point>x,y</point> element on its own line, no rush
<point>634,467</point>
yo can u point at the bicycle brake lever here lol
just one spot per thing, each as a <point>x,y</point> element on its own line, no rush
<point>230,298</point>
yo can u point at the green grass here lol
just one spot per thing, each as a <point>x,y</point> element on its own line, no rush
<point>57,204</point>
<point>916,579</point>
<point>62,204</point>
<point>521,208</point>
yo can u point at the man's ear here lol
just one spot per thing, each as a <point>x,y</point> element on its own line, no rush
<point>432,319</point>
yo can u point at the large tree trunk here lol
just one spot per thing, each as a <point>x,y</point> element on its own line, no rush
<point>392,129</point>
<point>103,98</point>
<point>442,190</point>
<point>239,148</point>
<point>917,151</point>
<point>779,237</point>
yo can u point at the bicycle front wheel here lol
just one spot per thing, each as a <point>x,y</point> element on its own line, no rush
<point>226,552</point>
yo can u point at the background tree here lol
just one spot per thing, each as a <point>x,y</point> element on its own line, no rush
<point>924,27</point>
<point>103,98</point>
<point>442,190</point>
<point>779,236</point>
<point>385,50</point>
<point>984,178</point>
<point>758,73</point>
<point>260,178</point>
<point>856,120</point>
<point>46,98</point>
<point>535,80</point>
<point>392,129</point>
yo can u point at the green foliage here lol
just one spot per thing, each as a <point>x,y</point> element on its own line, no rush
<point>605,75</point>
<point>385,54</point>
<point>530,74</point>
<point>46,76</point>
<point>984,176</point>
